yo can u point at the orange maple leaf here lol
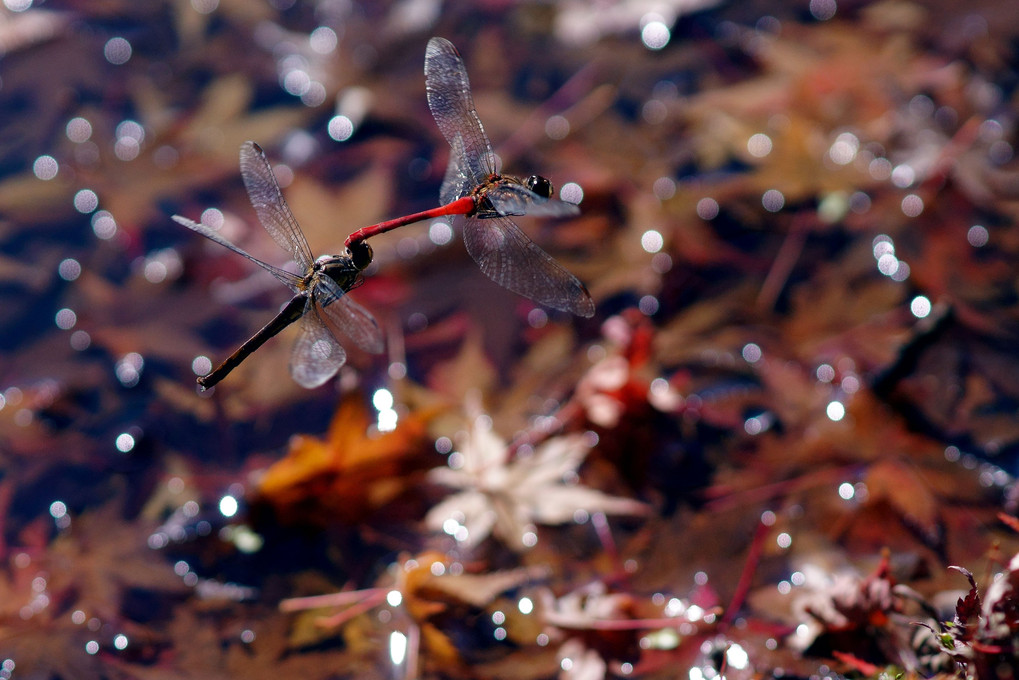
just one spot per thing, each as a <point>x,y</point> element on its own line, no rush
<point>349,474</point>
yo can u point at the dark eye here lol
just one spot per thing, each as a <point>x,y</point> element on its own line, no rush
<point>540,186</point>
<point>361,255</point>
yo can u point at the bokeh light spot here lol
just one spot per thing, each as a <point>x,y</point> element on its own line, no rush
<point>752,353</point>
<point>382,399</point>
<point>117,51</point>
<point>571,193</point>
<point>557,127</point>
<point>773,200</point>
<point>655,35</point>
<point>977,236</point>
<point>707,208</point>
<point>205,6</point>
<point>903,176</point>
<point>888,264</point>
<point>440,232</point>
<point>125,442</point>
<point>228,506</point>
<point>759,145</point>
<point>128,370</point>
<point>66,319</point>
<point>912,205</point>
<point>323,40</point>
<point>86,201</point>
<point>78,130</point>
<point>651,241</point>
<point>823,10</point>
<point>920,306</point>
<point>45,167</point>
<point>537,318</point>
<point>69,269</point>
<point>58,509</point>
<point>880,169</point>
<point>664,188</point>
<point>397,647</point>
<point>201,365</point>
<point>80,340</point>
<point>648,305</point>
<point>340,128</point>
<point>843,150</point>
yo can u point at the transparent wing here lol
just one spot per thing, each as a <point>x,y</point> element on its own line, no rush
<point>514,199</point>
<point>289,279</point>
<point>342,314</point>
<point>512,260</point>
<point>273,212</point>
<point>455,184</point>
<point>452,106</point>
<point>316,355</point>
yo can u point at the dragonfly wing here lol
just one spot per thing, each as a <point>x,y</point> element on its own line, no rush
<point>514,199</point>
<point>456,184</point>
<point>316,355</point>
<point>273,212</point>
<point>452,106</point>
<point>342,314</point>
<point>289,279</point>
<point>512,260</point>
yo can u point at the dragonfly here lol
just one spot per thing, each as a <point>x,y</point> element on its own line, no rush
<point>473,187</point>
<point>320,290</point>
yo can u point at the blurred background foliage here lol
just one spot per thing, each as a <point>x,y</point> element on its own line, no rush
<point>793,411</point>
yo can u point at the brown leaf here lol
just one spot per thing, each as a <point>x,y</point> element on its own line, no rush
<point>899,483</point>
<point>350,473</point>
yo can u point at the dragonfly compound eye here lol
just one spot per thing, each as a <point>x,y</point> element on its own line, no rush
<point>540,186</point>
<point>361,255</point>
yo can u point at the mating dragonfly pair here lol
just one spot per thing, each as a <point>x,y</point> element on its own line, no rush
<point>472,187</point>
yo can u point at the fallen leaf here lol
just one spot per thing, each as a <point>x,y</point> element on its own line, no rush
<point>349,474</point>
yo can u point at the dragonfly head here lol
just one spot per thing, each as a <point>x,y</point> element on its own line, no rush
<point>540,186</point>
<point>361,255</point>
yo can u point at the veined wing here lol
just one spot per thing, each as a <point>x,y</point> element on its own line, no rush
<point>455,184</point>
<point>273,212</point>
<point>512,260</point>
<point>289,279</point>
<point>515,199</point>
<point>316,355</point>
<point>342,314</point>
<point>452,106</point>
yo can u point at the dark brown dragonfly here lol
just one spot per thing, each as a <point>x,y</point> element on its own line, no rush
<point>320,299</point>
<point>475,188</point>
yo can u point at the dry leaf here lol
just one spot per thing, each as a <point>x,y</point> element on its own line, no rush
<point>348,475</point>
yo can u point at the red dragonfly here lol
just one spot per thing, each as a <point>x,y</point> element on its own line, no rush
<point>320,300</point>
<point>474,187</point>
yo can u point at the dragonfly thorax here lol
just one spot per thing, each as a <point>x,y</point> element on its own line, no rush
<point>339,268</point>
<point>344,269</point>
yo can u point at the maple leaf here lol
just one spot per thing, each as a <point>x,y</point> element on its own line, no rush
<point>506,495</point>
<point>429,593</point>
<point>101,557</point>
<point>349,474</point>
<point>88,568</point>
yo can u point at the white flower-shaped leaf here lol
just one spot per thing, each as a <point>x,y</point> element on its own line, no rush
<point>508,496</point>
